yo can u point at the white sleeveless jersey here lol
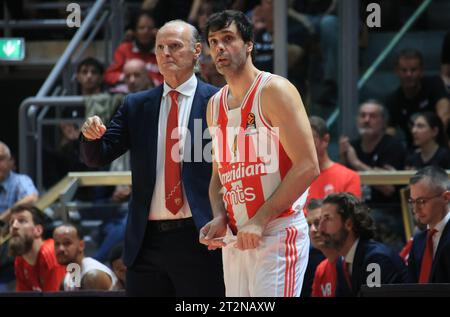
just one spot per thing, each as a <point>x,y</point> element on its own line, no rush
<point>251,161</point>
<point>89,264</point>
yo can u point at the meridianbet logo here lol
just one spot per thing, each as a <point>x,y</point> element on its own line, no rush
<point>12,49</point>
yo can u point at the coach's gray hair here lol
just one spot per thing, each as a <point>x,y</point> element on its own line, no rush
<point>195,34</point>
<point>438,178</point>
<point>7,150</point>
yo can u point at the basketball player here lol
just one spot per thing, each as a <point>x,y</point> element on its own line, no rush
<point>253,187</point>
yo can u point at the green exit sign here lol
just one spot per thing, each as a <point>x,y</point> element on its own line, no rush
<point>12,49</point>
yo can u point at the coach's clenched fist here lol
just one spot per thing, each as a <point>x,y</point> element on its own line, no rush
<point>93,128</point>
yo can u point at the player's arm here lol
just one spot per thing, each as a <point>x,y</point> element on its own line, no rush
<point>217,227</point>
<point>96,279</point>
<point>283,109</point>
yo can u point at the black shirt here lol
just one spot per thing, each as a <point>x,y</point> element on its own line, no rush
<point>390,151</point>
<point>401,108</point>
<point>441,158</point>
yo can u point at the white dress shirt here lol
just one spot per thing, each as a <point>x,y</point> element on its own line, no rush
<point>187,90</point>
<point>350,257</point>
<point>439,228</point>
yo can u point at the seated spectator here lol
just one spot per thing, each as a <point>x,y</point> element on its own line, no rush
<point>324,276</point>
<point>141,48</point>
<point>431,141</point>
<point>445,61</point>
<point>35,266</point>
<point>375,150</point>
<point>415,94</point>
<point>116,263</point>
<point>347,228</point>
<point>15,189</point>
<point>429,259</point>
<point>89,78</point>
<point>69,248</point>
<point>334,177</point>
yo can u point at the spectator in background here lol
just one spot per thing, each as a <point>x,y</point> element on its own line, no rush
<point>445,61</point>
<point>15,189</point>
<point>431,141</point>
<point>35,266</point>
<point>375,150</point>
<point>116,263</point>
<point>416,93</point>
<point>320,277</point>
<point>334,177</point>
<point>347,228</point>
<point>90,76</point>
<point>90,82</point>
<point>429,258</point>
<point>69,248</point>
<point>141,48</point>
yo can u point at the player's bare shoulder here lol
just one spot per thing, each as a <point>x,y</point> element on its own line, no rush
<point>279,93</point>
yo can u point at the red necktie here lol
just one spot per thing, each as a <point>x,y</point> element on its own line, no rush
<point>172,167</point>
<point>347,274</point>
<point>427,259</point>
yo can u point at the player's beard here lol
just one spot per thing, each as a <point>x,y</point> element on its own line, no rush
<point>335,241</point>
<point>20,245</point>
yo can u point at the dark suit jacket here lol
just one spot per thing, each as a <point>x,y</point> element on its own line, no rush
<point>392,268</point>
<point>440,269</point>
<point>135,127</point>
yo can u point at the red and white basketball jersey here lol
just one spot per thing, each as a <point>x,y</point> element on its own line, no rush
<point>251,161</point>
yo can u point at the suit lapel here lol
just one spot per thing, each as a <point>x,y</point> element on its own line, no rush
<point>357,268</point>
<point>152,108</point>
<point>197,111</point>
<point>445,238</point>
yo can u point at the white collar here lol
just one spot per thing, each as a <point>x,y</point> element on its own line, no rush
<point>350,257</point>
<point>186,89</point>
<point>441,224</point>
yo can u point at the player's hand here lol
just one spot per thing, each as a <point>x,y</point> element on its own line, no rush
<point>249,235</point>
<point>93,128</point>
<point>213,232</point>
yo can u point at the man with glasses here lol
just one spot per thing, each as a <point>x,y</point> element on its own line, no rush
<point>429,259</point>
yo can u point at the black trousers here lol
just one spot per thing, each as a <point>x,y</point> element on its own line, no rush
<point>172,263</point>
